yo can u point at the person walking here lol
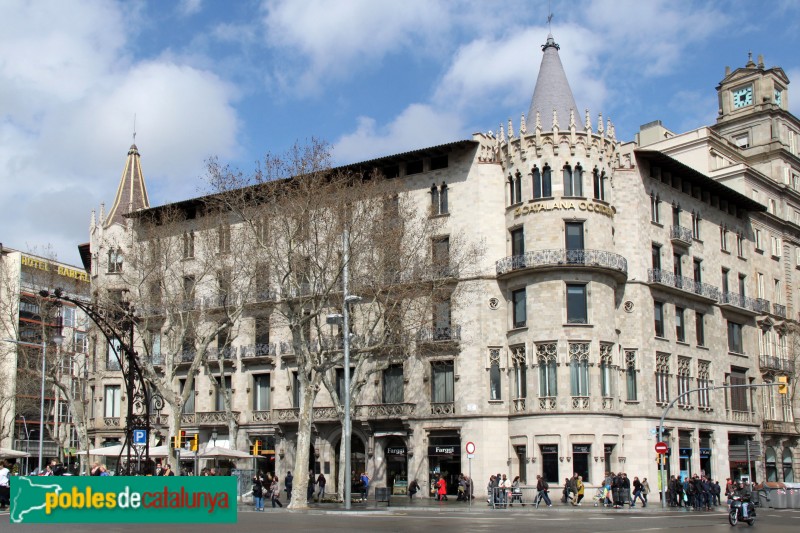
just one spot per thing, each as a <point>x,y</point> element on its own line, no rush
<point>413,489</point>
<point>637,492</point>
<point>441,489</point>
<point>321,481</point>
<point>275,492</point>
<point>287,483</point>
<point>580,490</point>
<point>645,490</point>
<point>516,492</point>
<point>566,495</point>
<point>364,486</point>
<point>5,485</point>
<point>542,488</point>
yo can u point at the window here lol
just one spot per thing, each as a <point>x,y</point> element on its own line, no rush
<point>700,328</point>
<point>759,240</point>
<point>188,406</point>
<point>742,141</point>
<point>262,335</point>
<point>111,401</point>
<point>494,374</point>
<point>261,390</point>
<point>114,260</point>
<point>439,200</point>
<point>772,206</point>
<point>697,270</point>
<point>520,373</point>
<point>517,242</point>
<point>703,382</point>
<point>677,265</point>
<point>725,287</point>
<point>684,381</point>
<point>414,167</point>
<point>579,368</point>
<point>658,312</point>
<point>188,245</point>
<point>739,394</point>
<point>542,187</point>
<point>655,208</point>
<point>573,236</point>
<point>441,317</point>
<point>441,256</point>
<point>546,356</point>
<point>442,381</point>
<point>573,181</point>
<point>656,251</point>
<point>577,312</point>
<point>739,245</point>
<point>581,457</point>
<point>114,355</point>
<point>439,162</point>
<point>630,375</point>
<point>777,246</point>
<point>735,337</point>
<point>224,237</point>
<point>393,384</point>
<point>599,181</point>
<point>515,188</point>
<point>606,370</point>
<point>81,342</point>
<point>777,291</point>
<point>662,377</point>
<point>297,390</point>
<point>68,316</point>
<point>680,329</point>
<point>519,308</point>
<point>696,226</point>
<point>550,462</point>
<point>188,288</point>
<point>760,285</point>
<point>154,339</point>
<point>676,215</point>
<point>222,386</point>
<point>723,238</point>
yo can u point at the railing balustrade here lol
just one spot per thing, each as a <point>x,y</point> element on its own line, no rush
<point>679,233</point>
<point>665,277</point>
<point>562,257</point>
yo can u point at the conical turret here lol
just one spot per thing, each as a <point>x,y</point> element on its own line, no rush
<point>131,193</point>
<point>552,96</point>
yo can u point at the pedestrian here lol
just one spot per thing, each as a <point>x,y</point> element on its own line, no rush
<point>258,494</point>
<point>287,483</point>
<point>321,481</point>
<point>566,495</point>
<point>516,491</point>
<point>310,487</point>
<point>490,492</point>
<point>364,486</point>
<point>167,471</point>
<point>275,492</point>
<point>626,489</point>
<point>413,489</point>
<point>5,485</point>
<point>462,489</point>
<point>716,490</point>
<point>645,490</point>
<point>441,488</point>
<point>637,492</point>
<point>580,490</point>
<point>542,489</point>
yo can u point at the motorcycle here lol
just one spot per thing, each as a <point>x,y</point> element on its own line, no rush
<point>736,513</point>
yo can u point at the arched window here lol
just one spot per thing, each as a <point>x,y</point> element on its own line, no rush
<point>599,180</point>
<point>434,200</point>
<point>577,181</point>
<point>770,464</point>
<point>443,209</point>
<point>510,183</point>
<point>537,183</point>
<point>547,185</point>
<point>579,368</point>
<point>517,188</point>
<point>546,357</point>
<point>115,260</point>
<point>788,471</point>
<point>568,184</point>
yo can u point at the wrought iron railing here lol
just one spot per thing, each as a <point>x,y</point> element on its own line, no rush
<point>187,356</point>
<point>216,417</point>
<point>157,359</point>
<point>562,257</point>
<point>547,403</point>
<point>580,402</point>
<point>519,405</point>
<point>779,310</point>
<point>758,305</point>
<point>258,350</point>
<point>443,408</point>
<point>221,354</point>
<point>439,334</point>
<point>665,277</point>
<point>679,233</point>
<point>771,362</point>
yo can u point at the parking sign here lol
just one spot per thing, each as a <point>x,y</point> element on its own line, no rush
<point>139,437</point>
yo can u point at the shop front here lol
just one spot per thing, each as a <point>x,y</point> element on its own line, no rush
<point>444,459</point>
<point>550,462</point>
<point>396,456</point>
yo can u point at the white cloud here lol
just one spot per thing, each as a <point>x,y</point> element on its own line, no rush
<point>68,94</point>
<point>418,126</point>
<point>190,7</point>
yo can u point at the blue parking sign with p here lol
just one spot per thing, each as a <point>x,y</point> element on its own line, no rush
<point>139,437</point>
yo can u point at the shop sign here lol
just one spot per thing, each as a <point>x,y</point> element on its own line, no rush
<point>592,207</point>
<point>705,453</point>
<point>47,266</point>
<point>685,452</point>
<point>608,448</point>
<point>549,448</point>
<point>581,448</point>
<point>442,450</point>
<point>396,450</point>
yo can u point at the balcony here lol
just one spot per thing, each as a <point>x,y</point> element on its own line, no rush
<point>111,421</point>
<point>226,355</point>
<point>741,416</point>
<point>158,420</point>
<point>779,310</point>
<point>769,362</point>
<point>258,353</point>
<point>157,359</point>
<point>390,411</point>
<point>682,285</point>
<point>184,358</point>
<point>680,235</point>
<point>215,418</point>
<point>443,408</point>
<point>439,334</point>
<point>562,258</point>
<point>547,403</point>
<point>260,416</point>
<point>780,426</point>
<point>188,419</point>
<point>320,413</point>
<point>739,302</point>
<point>581,403</point>
<point>264,296</point>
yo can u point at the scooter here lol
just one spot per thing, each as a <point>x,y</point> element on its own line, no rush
<point>736,513</point>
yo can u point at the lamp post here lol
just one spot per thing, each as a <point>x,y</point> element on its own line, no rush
<point>344,319</point>
<point>56,339</point>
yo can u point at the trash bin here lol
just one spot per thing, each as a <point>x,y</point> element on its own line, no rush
<point>778,499</point>
<point>762,498</point>
<point>793,495</point>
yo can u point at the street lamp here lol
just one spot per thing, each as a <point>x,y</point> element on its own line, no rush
<point>57,339</point>
<point>344,319</point>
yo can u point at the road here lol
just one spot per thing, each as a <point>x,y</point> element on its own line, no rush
<point>460,520</point>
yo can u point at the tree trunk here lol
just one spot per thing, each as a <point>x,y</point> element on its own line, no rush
<point>301,458</point>
<point>343,477</point>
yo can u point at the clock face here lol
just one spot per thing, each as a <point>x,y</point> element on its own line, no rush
<point>743,96</point>
<point>778,96</point>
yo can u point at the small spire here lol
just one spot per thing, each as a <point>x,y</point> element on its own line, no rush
<point>538,121</point>
<point>523,127</point>
<point>510,129</point>
<point>600,129</point>
<point>555,119</point>
<point>750,63</point>
<point>502,134</point>
<point>571,118</point>
<point>588,120</point>
<point>761,61</point>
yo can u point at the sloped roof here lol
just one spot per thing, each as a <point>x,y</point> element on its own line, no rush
<point>131,193</point>
<point>552,91</point>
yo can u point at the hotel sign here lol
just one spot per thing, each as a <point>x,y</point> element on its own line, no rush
<point>566,205</point>
<point>47,266</point>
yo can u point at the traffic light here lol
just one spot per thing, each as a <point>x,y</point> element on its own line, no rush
<point>783,385</point>
<point>193,442</point>
<point>255,449</point>
<point>178,440</point>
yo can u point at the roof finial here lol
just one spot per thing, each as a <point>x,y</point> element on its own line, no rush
<point>549,17</point>
<point>134,128</point>
<point>750,63</point>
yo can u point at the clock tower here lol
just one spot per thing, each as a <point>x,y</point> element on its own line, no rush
<point>750,89</point>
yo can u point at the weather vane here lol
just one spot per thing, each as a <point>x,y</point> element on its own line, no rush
<point>549,17</point>
<point>134,128</point>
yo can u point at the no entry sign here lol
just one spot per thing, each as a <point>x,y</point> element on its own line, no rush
<point>661,448</point>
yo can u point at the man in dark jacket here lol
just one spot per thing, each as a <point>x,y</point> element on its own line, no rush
<point>287,482</point>
<point>542,490</point>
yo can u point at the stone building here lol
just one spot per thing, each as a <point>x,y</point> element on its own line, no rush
<point>616,277</point>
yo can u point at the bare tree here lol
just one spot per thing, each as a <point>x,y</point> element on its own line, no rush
<point>404,267</point>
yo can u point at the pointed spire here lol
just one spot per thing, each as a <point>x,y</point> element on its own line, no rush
<point>131,193</point>
<point>750,63</point>
<point>523,126</point>
<point>552,89</point>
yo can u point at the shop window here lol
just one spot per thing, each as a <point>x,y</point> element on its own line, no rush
<point>550,462</point>
<point>581,453</point>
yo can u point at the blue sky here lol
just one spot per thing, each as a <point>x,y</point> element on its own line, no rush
<point>237,79</point>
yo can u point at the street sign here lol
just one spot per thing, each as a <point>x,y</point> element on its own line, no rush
<point>139,437</point>
<point>470,448</point>
<point>470,456</point>
<point>661,448</point>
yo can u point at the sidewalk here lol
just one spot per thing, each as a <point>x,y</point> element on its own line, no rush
<point>403,503</point>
